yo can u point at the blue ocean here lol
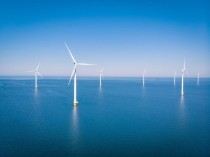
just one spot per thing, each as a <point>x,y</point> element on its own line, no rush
<point>121,118</point>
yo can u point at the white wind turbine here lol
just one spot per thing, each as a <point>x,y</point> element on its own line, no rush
<point>101,73</point>
<point>183,70</point>
<point>36,73</point>
<point>75,74</point>
<point>174,78</point>
<point>198,79</point>
<point>143,77</point>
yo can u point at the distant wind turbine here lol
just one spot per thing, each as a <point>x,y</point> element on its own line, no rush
<point>174,78</point>
<point>36,73</point>
<point>143,77</point>
<point>183,71</point>
<point>101,73</point>
<point>198,79</point>
<point>75,74</point>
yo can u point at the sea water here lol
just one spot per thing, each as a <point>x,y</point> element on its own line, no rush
<point>120,118</point>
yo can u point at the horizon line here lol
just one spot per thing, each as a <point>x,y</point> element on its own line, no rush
<point>108,76</point>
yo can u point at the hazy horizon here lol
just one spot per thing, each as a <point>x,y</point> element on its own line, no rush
<point>97,77</point>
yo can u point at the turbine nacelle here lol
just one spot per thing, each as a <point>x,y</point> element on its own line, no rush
<point>183,70</point>
<point>36,70</point>
<point>101,71</point>
<point>144,72</point>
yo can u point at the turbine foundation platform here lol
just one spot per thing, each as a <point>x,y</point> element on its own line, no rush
<point>75,103</point>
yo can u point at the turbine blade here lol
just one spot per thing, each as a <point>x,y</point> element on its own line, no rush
<point>101,71</point>
<point>39,73</point>
<point>70,53</point>
<point>85,64</point>
<point>37,66</point>
<point>73,72</point>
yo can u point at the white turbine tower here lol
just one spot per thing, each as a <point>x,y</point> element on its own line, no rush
<point>36,73</point>
<point>143,77</point>
<point>183,70</point>
<point>174,78</point>
<point>75,74</point>
<point>101,73</point>
<point>198,79</point>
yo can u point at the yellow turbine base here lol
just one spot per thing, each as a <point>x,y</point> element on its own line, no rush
<point>75,103</point>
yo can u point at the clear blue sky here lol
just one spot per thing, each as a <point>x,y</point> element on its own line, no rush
<point>124,37</point>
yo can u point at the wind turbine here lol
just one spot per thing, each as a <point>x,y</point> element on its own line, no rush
<point>183,70</point>
<point>174,78</point>
<point>198,79</point>
<point>143,77</point>
<point>75,74</point>
<point>101,73</point>
<point>36,73</point>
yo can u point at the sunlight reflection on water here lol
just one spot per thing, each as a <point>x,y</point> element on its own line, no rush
<point>75,129</point>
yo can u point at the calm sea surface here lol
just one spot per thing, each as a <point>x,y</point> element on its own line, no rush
<point>120,119</point>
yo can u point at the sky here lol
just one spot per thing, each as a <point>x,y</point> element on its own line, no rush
<point>123,37</point>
